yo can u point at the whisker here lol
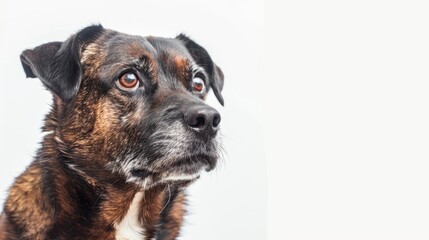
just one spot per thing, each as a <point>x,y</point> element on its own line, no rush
<point>169,199</point>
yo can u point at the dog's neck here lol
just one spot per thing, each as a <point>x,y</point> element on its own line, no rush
<point>118,210</point>
<point>80,201</point>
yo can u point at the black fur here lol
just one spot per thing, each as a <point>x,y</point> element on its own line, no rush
<point>203,58</point>
<point>57,64</point>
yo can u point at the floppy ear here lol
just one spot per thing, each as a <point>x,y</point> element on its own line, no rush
<point>57,64</point>
<point>203,59</point>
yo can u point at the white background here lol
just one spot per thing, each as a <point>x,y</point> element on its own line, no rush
<point>229,203</point>
<point>347,119</point>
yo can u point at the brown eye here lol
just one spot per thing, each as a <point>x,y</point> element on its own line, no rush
<point>198,85</point>
<point>128,81</point>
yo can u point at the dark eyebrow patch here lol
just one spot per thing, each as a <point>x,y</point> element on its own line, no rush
<point>143,65</point>
<point>146,65</point>
<point>129,52</point>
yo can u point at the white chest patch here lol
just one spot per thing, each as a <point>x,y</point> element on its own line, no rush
<point>130,228</point>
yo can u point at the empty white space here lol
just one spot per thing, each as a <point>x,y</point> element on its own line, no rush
<point>346,108</point>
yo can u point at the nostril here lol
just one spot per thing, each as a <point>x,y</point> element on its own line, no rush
<point>216,120</point>
<point>199,122</point>
<point>202,119</point>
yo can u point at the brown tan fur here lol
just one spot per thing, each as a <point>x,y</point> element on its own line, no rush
<point>175,217</point>
<point>181,64</point>
<point>26,201</point>
<point>28,205</point>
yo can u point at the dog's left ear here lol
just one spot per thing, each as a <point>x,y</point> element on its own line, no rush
<point>57,64</point>
<point>203,59</point>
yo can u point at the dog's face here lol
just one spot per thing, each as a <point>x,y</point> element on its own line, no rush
<point>131,107</point>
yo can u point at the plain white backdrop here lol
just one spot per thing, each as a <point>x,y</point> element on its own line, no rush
<point>224,204</point>
<point>347,119</point>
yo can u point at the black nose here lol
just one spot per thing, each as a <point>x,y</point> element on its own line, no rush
<point>202,119</point>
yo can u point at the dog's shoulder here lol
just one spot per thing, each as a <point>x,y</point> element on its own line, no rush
<point>26,205</point>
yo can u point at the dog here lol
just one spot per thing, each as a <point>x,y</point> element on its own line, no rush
<point>128,131</point>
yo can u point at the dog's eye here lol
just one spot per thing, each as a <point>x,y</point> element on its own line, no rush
<point>128,81</point>
<point>198,85</point>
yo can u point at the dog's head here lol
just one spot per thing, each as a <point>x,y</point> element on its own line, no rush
<point>130,106</point>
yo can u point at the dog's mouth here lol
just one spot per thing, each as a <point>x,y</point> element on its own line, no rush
<point>189,164</point>
<point>181,170</point>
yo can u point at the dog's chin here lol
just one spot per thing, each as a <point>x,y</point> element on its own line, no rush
<point>183,171</point>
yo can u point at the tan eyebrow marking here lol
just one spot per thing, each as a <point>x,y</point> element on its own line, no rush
<point>182,68</point>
